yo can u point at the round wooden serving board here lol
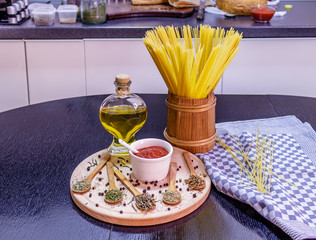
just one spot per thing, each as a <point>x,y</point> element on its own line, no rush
<point>126,213</point>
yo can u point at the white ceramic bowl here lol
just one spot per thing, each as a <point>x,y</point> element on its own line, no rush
<point>155,169</point>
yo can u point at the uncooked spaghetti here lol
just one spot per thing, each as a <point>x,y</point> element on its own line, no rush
<point>192,60</point>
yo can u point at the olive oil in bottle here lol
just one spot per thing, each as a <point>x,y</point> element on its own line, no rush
<point>122,115</point>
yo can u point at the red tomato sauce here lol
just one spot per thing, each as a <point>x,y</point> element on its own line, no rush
<point>262,14</point>
<point>152,152</point>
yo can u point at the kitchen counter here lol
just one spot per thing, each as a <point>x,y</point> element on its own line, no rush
<point>300,21</point>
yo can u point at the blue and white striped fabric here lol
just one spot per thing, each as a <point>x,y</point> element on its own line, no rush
<point>292,209</point>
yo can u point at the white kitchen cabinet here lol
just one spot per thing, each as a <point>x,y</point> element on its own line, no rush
<point>56,69</point>
<point>105,58</point>
<point>273,66</point>
<point>13,81</point>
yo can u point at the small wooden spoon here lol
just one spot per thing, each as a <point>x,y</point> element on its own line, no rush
<point>148,203</point>
<point>113,192</point>
<point>172,196</point>
<point>195,182</point>
<point>84,185</point>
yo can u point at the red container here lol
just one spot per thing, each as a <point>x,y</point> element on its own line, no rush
<point>261,14</point>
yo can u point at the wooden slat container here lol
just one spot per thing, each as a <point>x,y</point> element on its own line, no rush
<point>191,123</point>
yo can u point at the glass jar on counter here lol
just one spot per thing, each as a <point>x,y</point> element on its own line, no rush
<point>93,11</point>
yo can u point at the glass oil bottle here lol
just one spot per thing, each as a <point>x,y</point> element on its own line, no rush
<point>122,114</point>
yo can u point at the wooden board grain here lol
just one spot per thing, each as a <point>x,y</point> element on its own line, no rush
<point>124,9</point>
<point>125,213</point>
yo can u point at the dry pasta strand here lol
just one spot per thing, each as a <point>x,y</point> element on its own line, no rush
<point>190,60</point>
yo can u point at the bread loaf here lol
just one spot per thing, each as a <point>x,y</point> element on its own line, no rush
<point>239,7</point>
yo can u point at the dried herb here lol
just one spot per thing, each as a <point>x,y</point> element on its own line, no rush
<point>113,195</point>
<point>171,196</point>
<point>95,15</point>
<point>195,182</point>
<point>43,20</point>
<point>144,202</point>
<point>80,186</point>
<point>93,163</point>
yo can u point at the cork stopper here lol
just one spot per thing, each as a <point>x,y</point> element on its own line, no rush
<point>122,78</point>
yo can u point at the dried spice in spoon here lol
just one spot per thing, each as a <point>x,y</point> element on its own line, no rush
<point>172,196</point>
<point>195,182</point>
<point>143,201</point>
<point>84,185</point>
<point>113,195</point>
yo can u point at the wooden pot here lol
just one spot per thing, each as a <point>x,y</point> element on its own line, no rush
<point>191,123</point>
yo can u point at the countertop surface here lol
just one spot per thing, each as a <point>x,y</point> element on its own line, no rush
<point>300,21</point>
<point>42,144</point>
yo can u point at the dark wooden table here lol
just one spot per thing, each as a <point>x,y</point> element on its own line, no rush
<point>41,145</point>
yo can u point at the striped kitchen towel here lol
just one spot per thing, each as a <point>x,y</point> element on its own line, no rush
<point>292,208</point>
